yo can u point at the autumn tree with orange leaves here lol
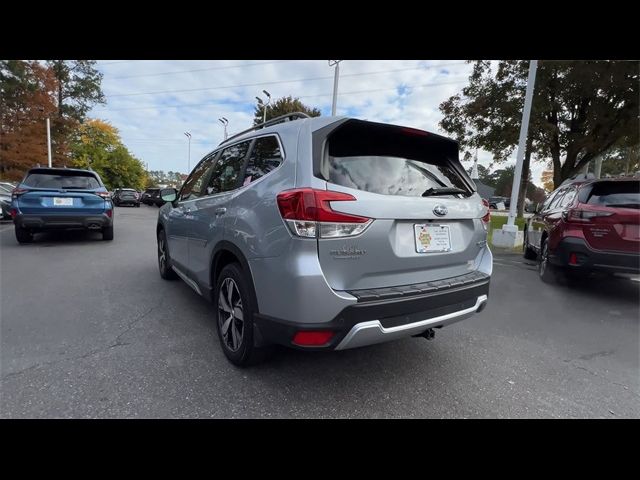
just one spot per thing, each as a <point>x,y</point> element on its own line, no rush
<point>31,92</point>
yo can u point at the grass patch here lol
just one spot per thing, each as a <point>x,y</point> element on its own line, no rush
<point>498,221</point>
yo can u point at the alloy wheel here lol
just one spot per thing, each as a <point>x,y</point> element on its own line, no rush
<point>230,314</point>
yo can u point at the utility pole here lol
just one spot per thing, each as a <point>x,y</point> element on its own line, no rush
<point>509,235</point>
<point>524,129</point>
<point>335,85</point>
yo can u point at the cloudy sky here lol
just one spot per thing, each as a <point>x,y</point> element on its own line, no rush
<point>154,102</point>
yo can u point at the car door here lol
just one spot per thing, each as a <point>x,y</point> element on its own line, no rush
<point>208,213</point>
<point>180,219</point>
<point>553,214</point>
<point>536,224</point>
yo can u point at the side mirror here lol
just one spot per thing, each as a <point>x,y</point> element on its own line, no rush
<point>169,195</point>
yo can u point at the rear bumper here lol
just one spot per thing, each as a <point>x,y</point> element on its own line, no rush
<point>63,221</point>
<point>589,259</point>
<point>128,201</point>
<point>376,319</point>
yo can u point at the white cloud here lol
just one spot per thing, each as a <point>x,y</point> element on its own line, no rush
<point>399,91</point>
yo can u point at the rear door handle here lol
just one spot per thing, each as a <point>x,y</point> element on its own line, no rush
<point>220,211</point>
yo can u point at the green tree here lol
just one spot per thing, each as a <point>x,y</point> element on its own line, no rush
<point>282,106</point>
<point>580,110</point>
<point>97,145</point>
<point>79,87</point>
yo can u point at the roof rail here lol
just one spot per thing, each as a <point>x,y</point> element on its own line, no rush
<point>282,118</point>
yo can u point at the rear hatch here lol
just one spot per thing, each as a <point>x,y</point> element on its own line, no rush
<point>402,179</point>
<point>128,195</point>
<point>609,212</point>
<point>50,191</point>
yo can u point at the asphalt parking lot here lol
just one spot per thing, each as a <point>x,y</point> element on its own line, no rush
<point>90,330</point>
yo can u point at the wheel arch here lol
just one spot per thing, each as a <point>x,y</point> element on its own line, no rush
<point>222,254</point>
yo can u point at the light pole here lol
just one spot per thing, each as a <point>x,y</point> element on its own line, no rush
<point>335,85</point>
<point>265,105</point>
<point>189,157</point>
<point>49,141</point>
<point>509,235</point>
<point>48,137</point>
<point>224,122</point>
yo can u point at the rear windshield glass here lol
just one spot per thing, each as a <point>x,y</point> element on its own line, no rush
<point>53,180</point>
<point>389,161</point>
<point>615,194</point>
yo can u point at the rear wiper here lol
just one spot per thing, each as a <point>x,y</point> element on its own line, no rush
<point>442,191</point>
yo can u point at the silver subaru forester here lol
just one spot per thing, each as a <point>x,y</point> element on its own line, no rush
<point>328,233</point>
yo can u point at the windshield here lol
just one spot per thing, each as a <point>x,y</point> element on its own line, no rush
<point>55,180</point>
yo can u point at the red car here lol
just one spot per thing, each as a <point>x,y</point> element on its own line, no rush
<point>586,226</point>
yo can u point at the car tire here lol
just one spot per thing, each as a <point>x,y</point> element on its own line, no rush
<point>528,252</point>
<point>548,273</point>
<point>235,306</point>
<point>23,235</point>
<point>107,233</point>
<point>137,205</point>
<point>164,260</point>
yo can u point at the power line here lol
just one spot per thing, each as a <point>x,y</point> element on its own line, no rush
<point>282,81</point>
<point>119,61</point>
<point>226,67</point>
<point>355,92</point>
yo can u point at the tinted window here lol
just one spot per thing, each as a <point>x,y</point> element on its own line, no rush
<point>568,198</point>
<point>615,194</point>
<point>557,199</point>
<point>194,185</point>
<point>265,156</point>
<point>227,169</point>
<point>548,200</point>
<point>62,180</point>
<point>390,160</point>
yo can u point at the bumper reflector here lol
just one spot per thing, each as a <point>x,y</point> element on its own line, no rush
<point>312,339</point>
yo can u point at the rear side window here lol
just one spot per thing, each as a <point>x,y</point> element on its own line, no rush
<point>568,198</point>
<point>390,160</point>
<point>62,180</point>
<point>625,194</point>
<point>557,199</point>
<point>265,157</point>
<point>227,169</point>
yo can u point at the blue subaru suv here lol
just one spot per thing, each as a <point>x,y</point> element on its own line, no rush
<point>61,199</point>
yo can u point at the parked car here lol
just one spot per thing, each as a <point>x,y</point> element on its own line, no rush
<point>586,226</point>
<point>61,198</point>
<point>5,202</point>
<point>149,195</point>
<point>494,201</point>
<point>126,196</point>
<point>328,233</point>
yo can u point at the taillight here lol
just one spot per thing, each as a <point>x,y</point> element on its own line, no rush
<point>16,192</point>
<point>312,339</point>
<point>487,217</point>
<point>308,214</point>
<point>582,216</point>
<point>102,194</point>
<point>109,213</point>
<point>13,212</point>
